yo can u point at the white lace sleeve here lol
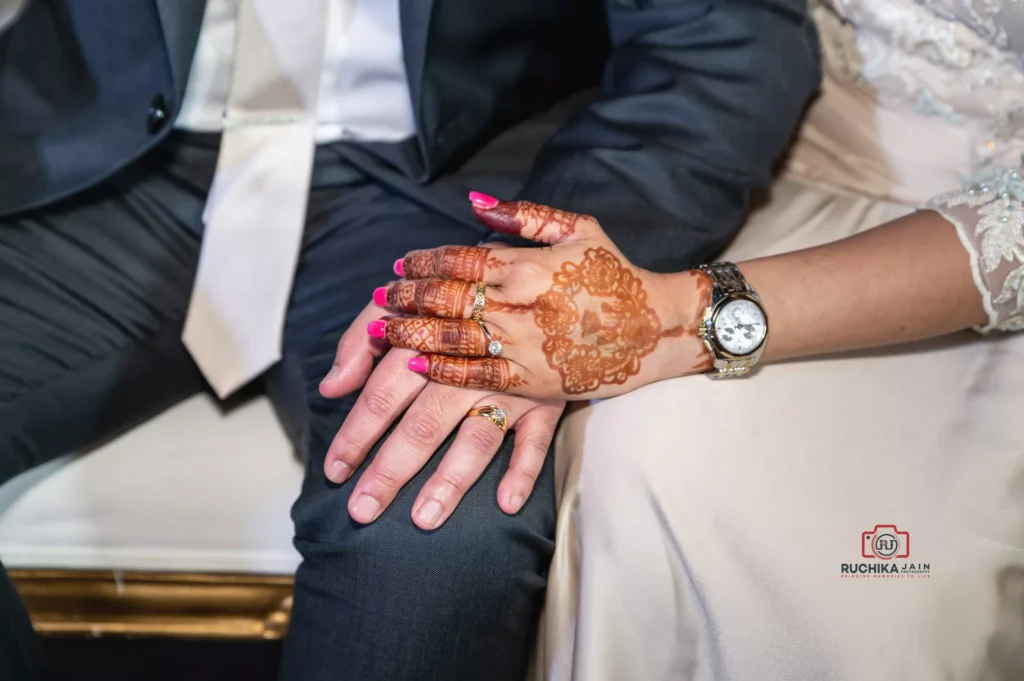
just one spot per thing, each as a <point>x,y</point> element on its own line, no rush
<point>989,217</point>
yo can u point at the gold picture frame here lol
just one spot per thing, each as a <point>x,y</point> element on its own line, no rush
<point>175,604</point>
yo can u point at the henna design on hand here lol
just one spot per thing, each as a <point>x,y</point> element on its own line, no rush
<point>511,217</point>
<point>510,308</point>
<point>433,297</point>
<point>603,343</point>
<point>467,263</point>
<point>466,372</point>
<point>445,336</point>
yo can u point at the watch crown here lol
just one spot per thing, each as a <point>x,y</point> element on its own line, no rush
<point>702,329</point>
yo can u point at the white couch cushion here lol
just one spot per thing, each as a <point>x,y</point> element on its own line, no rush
<point>194,489</point>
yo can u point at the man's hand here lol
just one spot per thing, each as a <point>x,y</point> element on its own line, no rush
<point>434,411</point>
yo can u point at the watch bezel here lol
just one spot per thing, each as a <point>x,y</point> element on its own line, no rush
<point>711,318</point>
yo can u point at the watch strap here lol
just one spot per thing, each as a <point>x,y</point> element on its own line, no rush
<point>727,279</point>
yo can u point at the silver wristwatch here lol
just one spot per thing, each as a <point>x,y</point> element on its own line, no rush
<point>734,327</point>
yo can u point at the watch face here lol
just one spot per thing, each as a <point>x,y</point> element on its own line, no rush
<point>740,327</point>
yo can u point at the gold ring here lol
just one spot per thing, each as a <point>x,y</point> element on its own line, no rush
<point>495,415</point>
<point>481,300</point>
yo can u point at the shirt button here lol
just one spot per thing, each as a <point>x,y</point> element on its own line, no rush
<point>158,114</point>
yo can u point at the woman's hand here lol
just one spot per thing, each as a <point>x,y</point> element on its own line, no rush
<point>575,321</point>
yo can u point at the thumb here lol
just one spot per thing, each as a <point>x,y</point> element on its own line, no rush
<point>354,358</point>
<point>531,221</point>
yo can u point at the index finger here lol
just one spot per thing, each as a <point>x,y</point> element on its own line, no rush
<point>465,263</point>
<point>386,395</point>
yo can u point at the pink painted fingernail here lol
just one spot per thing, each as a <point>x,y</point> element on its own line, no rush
<point>377,328</point>
<point>484,201</point>
<point>380,296</point>
<point>419,365</point>
<point>400,267</point>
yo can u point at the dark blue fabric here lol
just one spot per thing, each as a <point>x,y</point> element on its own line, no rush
<point>93,292</point>
<point>77,80</point>
<point>699,97</point>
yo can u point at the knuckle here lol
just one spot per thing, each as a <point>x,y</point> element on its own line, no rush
<point>527,270</point>
<point>482,437</point>
<point>454,483</point>
<point>453,335</point>
<point>382,402</point>
<point>526,208</point>
<point>387,478</point>
<point>534,451</point>
<point>397,293</point>
<point>416,262</point>
<point>445,256</point>
<point>531,469</point>
<point>344,447</point>
<point>422,428</point>
<point>430,288</point>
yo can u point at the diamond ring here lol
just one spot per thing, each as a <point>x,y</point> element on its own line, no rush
<point>492,413</point>
<point>493,346</point>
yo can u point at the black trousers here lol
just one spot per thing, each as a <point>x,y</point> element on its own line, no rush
<point>93,294</point>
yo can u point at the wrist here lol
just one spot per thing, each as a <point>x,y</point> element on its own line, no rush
<point>683,298</point>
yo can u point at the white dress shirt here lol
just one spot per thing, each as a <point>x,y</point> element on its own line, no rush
<point>364,93</point>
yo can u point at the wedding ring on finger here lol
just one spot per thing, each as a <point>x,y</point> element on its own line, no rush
<point>492,413</point>
<point>494,346</point>
<point>479,302</point>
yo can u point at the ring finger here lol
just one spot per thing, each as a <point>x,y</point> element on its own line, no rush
<point>459,337</point>
<point>473,449</point>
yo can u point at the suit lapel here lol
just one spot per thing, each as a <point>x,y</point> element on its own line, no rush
<point>181,21</point>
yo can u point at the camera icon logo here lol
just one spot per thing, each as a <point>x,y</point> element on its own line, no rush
<point>885,542</point>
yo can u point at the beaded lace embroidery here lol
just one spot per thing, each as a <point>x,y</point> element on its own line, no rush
<point>961,61</point>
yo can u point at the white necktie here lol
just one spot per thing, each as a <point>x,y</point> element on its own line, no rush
<point>256,209</point>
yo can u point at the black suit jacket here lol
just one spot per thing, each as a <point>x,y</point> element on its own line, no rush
<point>699,98</point>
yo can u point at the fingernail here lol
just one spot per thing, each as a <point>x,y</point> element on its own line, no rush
<point>400,267</point>
<point>484,201</point>
<point>517,502</point>
<point>419,365</point>
<point>380,295</point>
<point>338,471</point>
<point>377,328</point>
<point>430,514</point>
<point>331,375</point>
<point>365,509</point>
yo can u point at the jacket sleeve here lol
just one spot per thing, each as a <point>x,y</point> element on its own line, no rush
<point>699,98</point>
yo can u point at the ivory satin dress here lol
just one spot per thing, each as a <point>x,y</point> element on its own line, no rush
<point>853,517</point>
